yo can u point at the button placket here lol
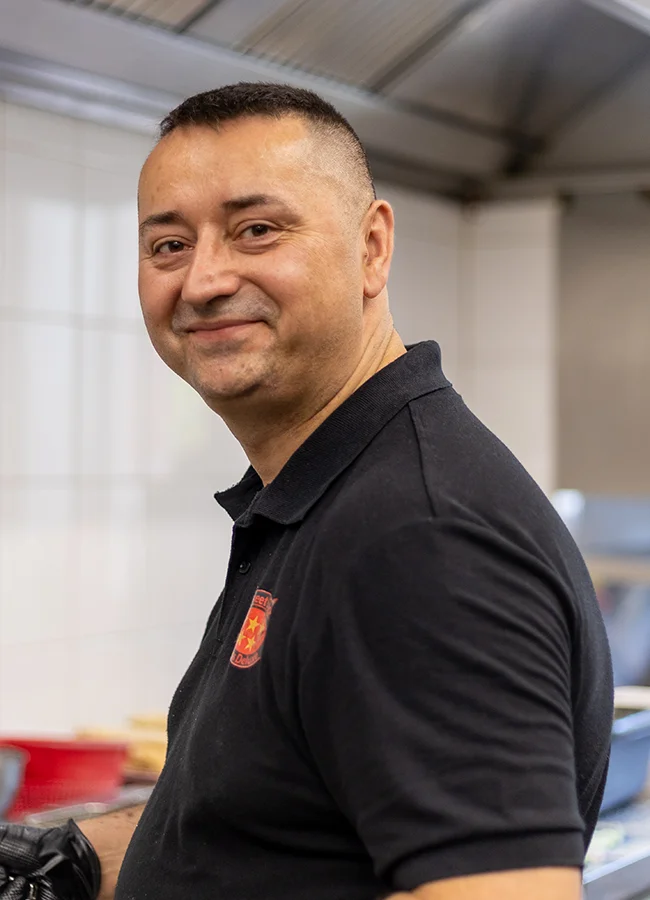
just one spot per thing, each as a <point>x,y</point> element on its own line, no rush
<point>242,552</point>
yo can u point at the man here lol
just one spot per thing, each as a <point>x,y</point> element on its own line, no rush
<point>405,689</point>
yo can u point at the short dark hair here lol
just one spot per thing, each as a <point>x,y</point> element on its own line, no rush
<point>238,101</point>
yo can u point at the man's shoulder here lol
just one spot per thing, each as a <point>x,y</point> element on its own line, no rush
<point>434,455</point>
<point>436,464</point>
<point>385,482</point>
<point>466,467</point>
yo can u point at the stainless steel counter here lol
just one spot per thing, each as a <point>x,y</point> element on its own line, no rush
<point>618,864</point>
<point>129,796</point>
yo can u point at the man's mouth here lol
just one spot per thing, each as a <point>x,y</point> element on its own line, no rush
<point>206,332</point>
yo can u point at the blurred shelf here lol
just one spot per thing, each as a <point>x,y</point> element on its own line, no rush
<point>622,568</point>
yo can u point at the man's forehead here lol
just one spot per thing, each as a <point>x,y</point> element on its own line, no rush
<point>257,142</point>
<point>256,155</point>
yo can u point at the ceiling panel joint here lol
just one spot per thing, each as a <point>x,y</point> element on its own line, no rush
<point>440,34</point>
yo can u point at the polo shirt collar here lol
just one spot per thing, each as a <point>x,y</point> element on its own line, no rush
<point>337,441</point>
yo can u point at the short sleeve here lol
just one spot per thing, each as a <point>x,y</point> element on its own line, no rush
<point>435,697</point>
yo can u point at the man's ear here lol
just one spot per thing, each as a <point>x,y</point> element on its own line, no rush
<point>379,241</point>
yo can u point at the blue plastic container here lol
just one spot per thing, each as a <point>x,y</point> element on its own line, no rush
<point>628,767</point>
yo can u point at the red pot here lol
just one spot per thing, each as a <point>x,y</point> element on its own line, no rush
<point>63,772</point>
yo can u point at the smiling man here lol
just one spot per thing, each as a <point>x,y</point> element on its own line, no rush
<point>404,690</point>
<point>267,214</point>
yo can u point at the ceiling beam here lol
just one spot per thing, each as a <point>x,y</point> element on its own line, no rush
<point>472,127</point>
<point>399,170</point>
<point>573,181</point>
<point>599,92</point>
<point>524,154</point>
<point>25,74</point>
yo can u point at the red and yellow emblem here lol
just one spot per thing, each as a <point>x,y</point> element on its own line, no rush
<point>248,649</point>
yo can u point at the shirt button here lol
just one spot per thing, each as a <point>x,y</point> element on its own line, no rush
<point>244,567</point>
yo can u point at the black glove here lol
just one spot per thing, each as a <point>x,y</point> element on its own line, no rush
<point>47,864</point>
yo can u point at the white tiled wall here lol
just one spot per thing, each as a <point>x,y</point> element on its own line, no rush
<point>425,276</point>
<point>112,550</point>
<point>604,363</point>
<point>507,324</point>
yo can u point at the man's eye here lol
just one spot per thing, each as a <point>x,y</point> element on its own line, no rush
<point>257,230</point>
<point>169,247</point>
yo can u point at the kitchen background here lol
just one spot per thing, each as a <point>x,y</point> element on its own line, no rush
<point>513,139</point>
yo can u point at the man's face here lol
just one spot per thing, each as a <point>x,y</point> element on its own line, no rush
<point>251,262</point>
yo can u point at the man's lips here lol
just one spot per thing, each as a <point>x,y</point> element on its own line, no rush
<point>221,325</point>
<point>209,332</point>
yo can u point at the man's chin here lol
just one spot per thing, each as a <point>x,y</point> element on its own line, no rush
<point>224,394</point>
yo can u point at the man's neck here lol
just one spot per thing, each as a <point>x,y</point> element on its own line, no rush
<point>269,451</point>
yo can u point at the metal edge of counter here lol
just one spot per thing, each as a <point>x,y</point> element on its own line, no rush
<point>625,879</point>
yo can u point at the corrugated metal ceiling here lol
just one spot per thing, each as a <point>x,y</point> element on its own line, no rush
<point>558,82</point>
<point>586,54</point>
<point>614,133</point>
<point>527,65</point>
<point>168,13</point>
<point>350,40</point>
<point>229,22</point>
<point>482,70</point>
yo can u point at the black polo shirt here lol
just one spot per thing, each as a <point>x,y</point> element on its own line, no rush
<point>406,677</point>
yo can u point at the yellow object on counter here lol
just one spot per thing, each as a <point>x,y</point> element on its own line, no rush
<point>149,722</point>
<point>147,748</point>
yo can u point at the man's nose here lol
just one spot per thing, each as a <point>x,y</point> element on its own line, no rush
<point>211,274</point>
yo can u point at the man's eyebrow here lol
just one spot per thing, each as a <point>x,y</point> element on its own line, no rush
<point>169,217</point>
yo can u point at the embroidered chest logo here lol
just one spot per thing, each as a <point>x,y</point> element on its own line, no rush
<point>248,649</point>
